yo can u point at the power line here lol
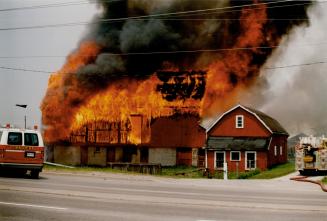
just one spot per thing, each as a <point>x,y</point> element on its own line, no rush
<point>154,16</point>
<point>205,10</point>
<point>32,56</point>
<point>125,75</point>
<point>80,3</point>
<point>251,8</point>
<point>168,52</point>
<point>124,19</point>
<point>23,69</point>
<point>247,7</point>
<point>53,5</point>
<point>296,65</point>
<point>42,6</point>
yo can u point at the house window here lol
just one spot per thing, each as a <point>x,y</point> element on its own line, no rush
<point>250,160</point>
<point>275,150</point>
<point>219,159</point>
<point>281,150</point>
<point>235,156</point>
<point>239,121</point>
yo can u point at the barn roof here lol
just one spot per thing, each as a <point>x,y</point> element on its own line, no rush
<point>272,125</point>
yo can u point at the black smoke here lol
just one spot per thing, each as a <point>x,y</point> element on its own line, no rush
<point>127,44</point>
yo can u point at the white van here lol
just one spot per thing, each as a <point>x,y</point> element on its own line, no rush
<point>21,150</point>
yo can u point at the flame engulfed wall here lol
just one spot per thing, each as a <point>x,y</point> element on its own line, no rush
<point>114,73</point>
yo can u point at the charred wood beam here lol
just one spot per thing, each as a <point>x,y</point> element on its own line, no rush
<point>181,85</point>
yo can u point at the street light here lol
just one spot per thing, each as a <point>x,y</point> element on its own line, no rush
<point>23,106</point>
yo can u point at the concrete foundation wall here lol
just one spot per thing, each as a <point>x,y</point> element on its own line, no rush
<point>136,158</point>
<point>164,156</point>
<point>119,154</point>
<point>97,156</point>
<point>67,155</point>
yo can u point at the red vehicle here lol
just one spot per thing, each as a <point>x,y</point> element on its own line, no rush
<point>21,150</point>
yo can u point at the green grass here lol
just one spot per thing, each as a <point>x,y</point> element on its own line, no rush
<point>176,172</point>
<point>80,169</point>
<point>182,172</point>
<point>277,171</point>
<point>324,180</point>
<point>234,175</point>
<point>189,172</point>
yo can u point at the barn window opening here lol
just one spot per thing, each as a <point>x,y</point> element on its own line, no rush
<point>275,150</point>
<point>235,155</point>
<point>239,121</point>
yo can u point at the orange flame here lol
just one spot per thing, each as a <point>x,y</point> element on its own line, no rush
<point>126,97</point>
<point>220,91</point>
<point>63,91</point>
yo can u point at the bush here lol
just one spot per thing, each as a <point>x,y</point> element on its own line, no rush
<point>246,175</point>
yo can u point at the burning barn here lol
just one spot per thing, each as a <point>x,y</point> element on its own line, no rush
<point>174,137</point>
<point>148,71</point>
<point>169,141</point>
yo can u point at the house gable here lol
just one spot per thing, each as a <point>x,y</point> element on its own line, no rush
<point>226,125</point>
<point>258,138</point>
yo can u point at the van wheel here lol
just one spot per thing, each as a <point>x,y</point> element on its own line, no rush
<point>35,174</point>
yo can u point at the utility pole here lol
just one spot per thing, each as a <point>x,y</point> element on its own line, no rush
<point>23,106</point>
<point>225,171</point>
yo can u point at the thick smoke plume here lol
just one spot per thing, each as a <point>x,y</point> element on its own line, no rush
<point>296,92</point>
<point>178,32</point>
<point>133,40</point>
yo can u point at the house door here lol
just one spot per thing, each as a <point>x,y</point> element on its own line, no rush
<point>201,158</point>
<point>219,159</point>
<point>251,159</point>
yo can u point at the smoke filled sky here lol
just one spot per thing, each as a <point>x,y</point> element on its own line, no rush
<point>293,95</point>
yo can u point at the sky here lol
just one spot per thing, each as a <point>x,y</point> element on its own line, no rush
<point>22,87</point>
<point>295,94</point>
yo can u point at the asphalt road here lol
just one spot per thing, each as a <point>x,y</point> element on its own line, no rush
<point>127,197</point>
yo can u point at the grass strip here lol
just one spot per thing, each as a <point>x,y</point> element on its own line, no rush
<point>188,172</point>
<point>276,171</point>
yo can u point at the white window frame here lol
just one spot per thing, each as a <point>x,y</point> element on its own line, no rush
<point>215,159</point>
<point>275,150</point>
<point>239,155</point>
<point>281,150</point>
<point>241,117</point>
<point>246,160</point>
